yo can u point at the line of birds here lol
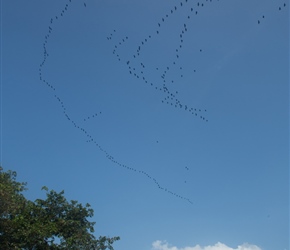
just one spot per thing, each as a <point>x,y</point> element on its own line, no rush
<point>92,116</point>
<point>132,63</point>
<point>112,159</point>
<point>90,138</point>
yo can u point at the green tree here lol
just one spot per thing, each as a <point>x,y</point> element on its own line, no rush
<point>53,223</point>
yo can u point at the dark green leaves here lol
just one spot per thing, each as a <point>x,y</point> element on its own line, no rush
<point>51,223</point>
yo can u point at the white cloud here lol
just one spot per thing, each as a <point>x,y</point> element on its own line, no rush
<point>163,245</point>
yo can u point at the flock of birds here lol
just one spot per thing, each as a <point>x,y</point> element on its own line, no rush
<point>279,8</point>
<point>89,137</point>
<point>138,70</point>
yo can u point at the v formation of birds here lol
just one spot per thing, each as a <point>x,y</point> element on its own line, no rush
<point>137,69</point>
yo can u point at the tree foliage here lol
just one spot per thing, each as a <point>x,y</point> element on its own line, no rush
<point>53,223</point>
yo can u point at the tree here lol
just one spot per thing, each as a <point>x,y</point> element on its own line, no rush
<point>53,223</point>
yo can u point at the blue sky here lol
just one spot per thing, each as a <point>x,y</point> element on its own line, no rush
<point>171,118</point>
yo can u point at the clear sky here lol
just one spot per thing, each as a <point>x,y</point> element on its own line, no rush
<point>171,118</point>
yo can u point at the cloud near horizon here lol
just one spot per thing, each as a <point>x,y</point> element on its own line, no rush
<point>163,245</point>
